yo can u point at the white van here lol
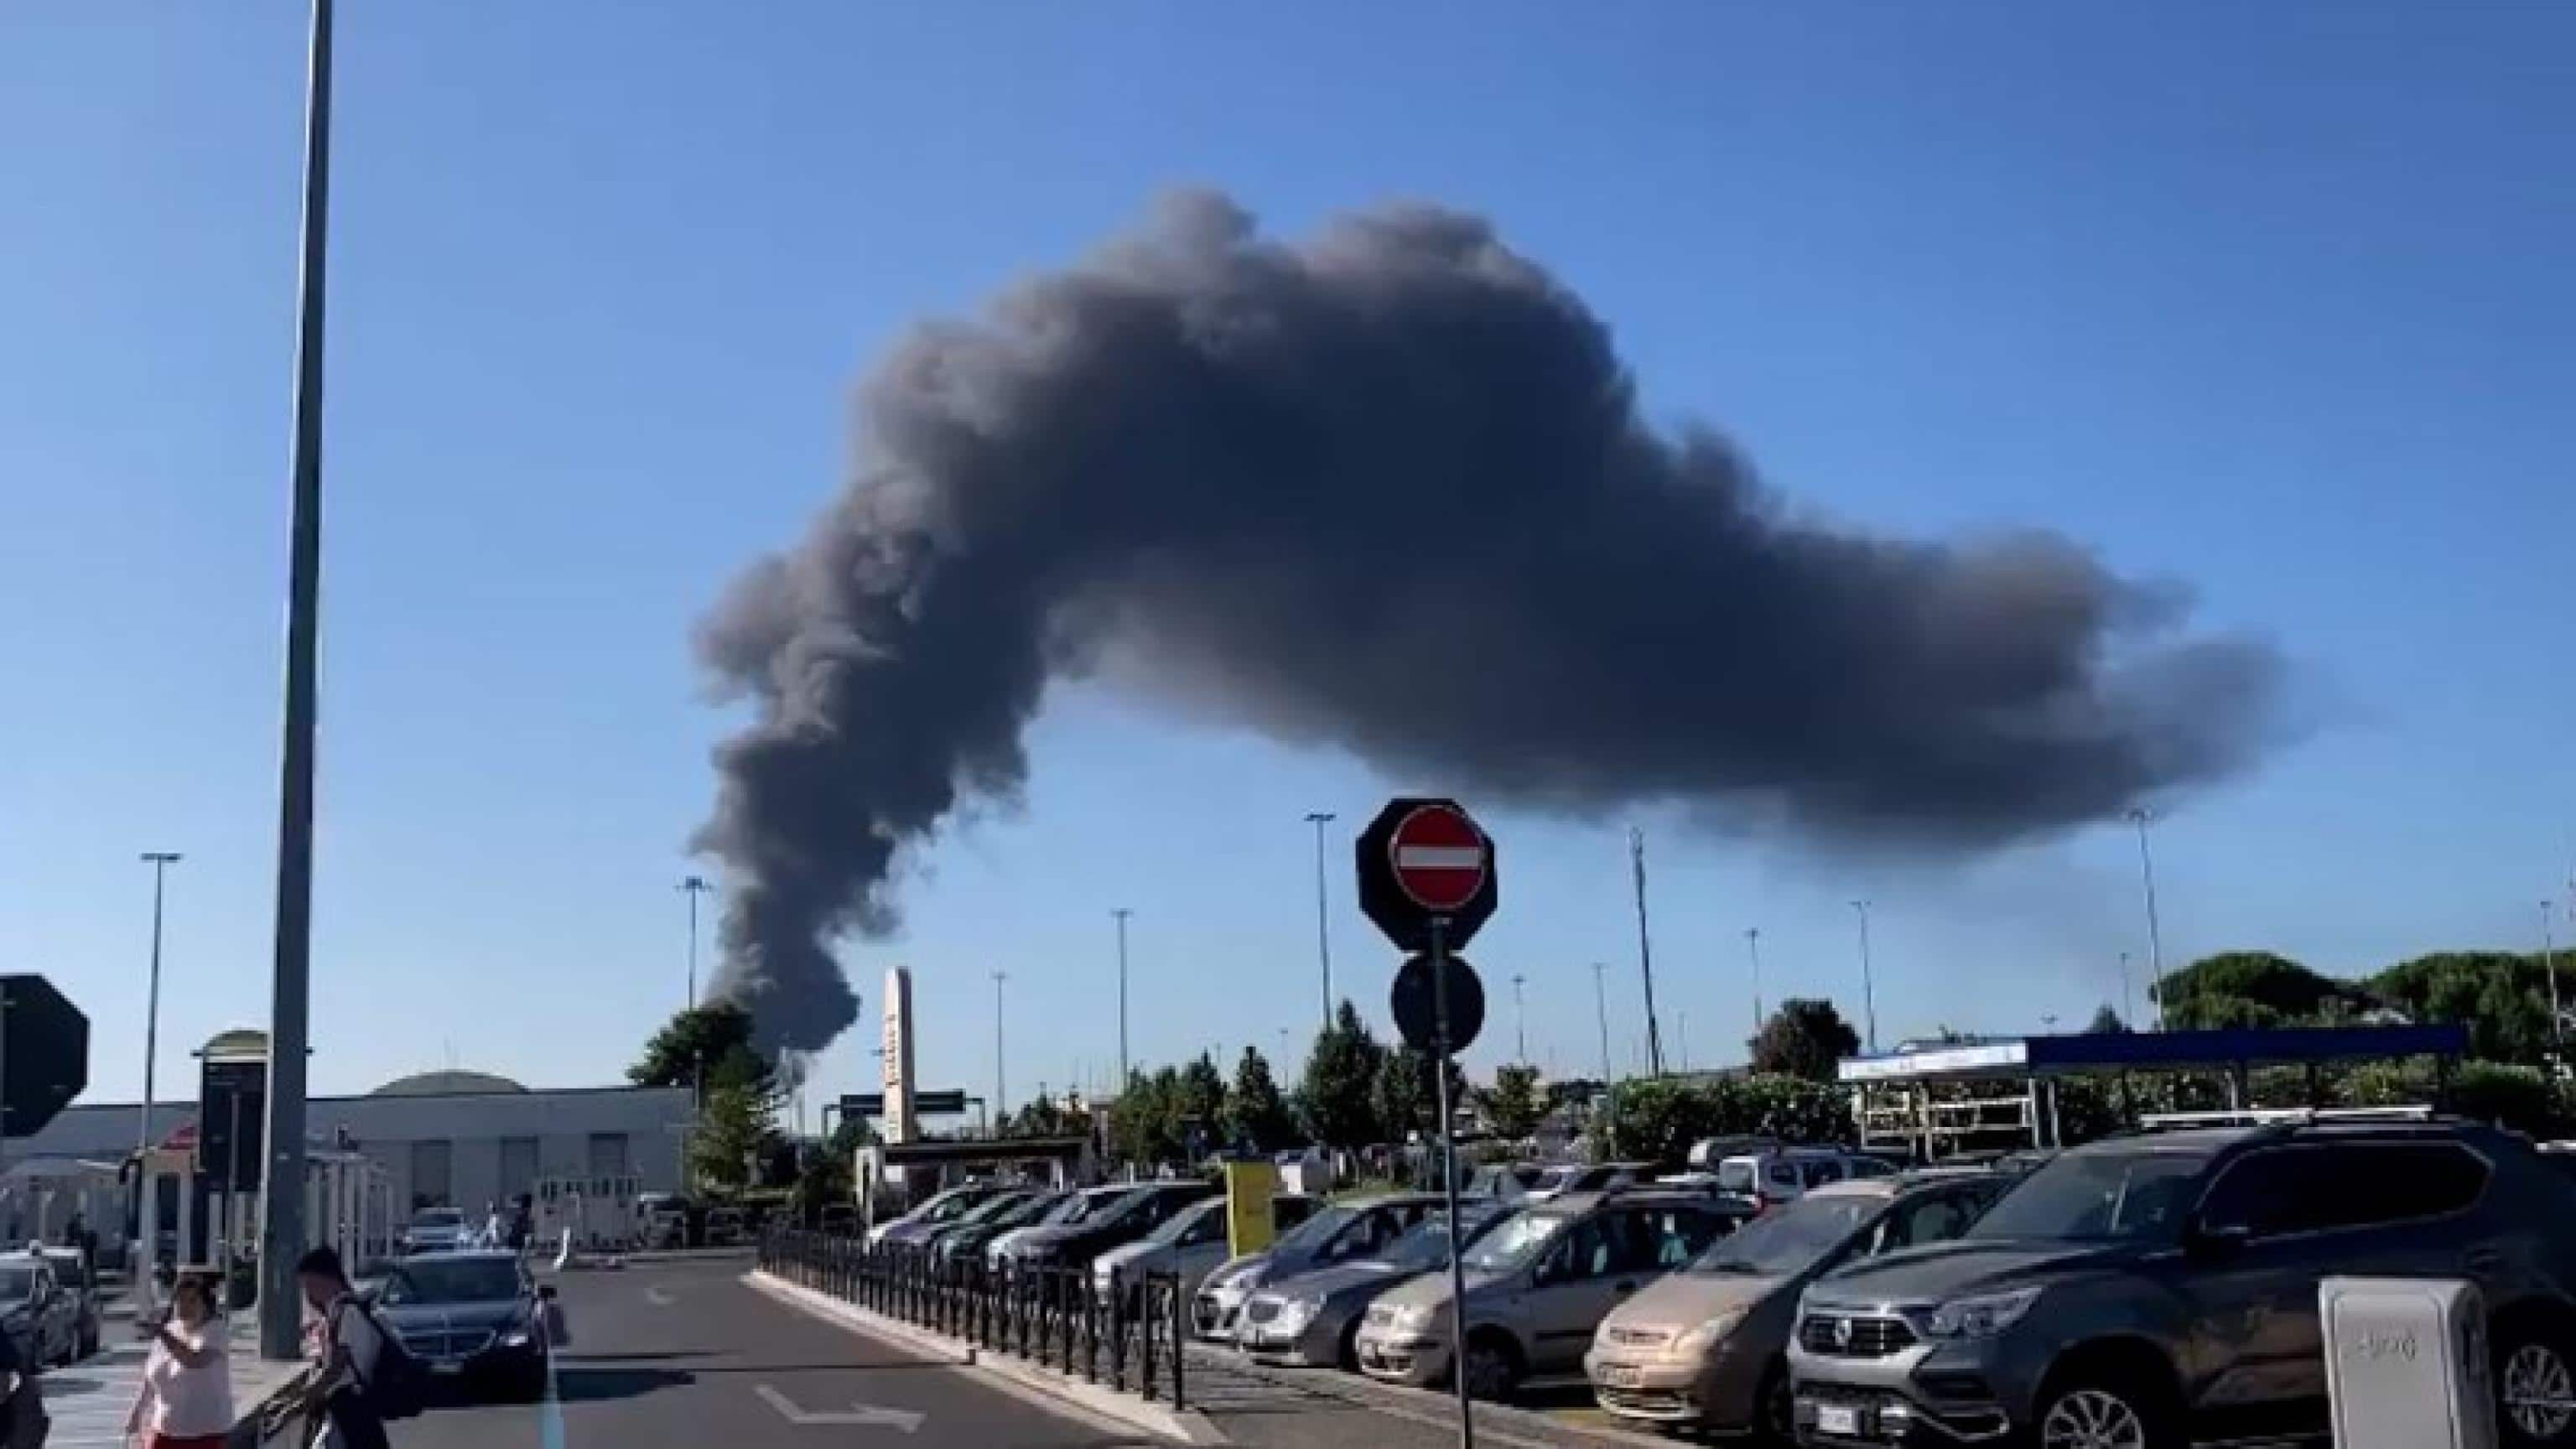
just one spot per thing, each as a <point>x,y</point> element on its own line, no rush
<point>1784,1174</point>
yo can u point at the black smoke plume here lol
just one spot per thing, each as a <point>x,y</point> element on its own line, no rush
<point>1388,489</point>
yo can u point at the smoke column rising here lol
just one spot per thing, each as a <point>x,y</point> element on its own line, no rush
<point>1387,489</point>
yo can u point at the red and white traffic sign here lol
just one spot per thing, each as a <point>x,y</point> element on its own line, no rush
<point>1440,857</point>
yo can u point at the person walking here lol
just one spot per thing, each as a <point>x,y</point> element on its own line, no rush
<point>186,1401</point>
<point>348,1347</point>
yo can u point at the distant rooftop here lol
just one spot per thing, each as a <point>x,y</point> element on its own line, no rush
<point>446,1084</point>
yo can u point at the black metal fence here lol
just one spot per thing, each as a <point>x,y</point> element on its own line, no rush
<point>1129,1338</point>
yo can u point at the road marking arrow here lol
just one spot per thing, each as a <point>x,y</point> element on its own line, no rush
<point>658,1298</point>
<point>906,1420</point>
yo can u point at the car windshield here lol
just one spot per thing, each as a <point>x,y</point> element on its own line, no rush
<point>454,1280</point>
<point>1315,1232</point>
<point>2097,1196</point>
<point>17,1285</point>
<point>1036,1208</point>
<point>1427,1246</point>
<point>1788,1240</point>
<point>1737,1176</point>
<point>1180,1223</point>
<point>1085,1207</point>
<point>439,1218</point>
<point>950,1205</point>
<point>993,1209</point>
<point>1516,1242</point>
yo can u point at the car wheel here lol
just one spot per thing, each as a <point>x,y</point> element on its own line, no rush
<point>1775,1417</point>
<point>1493,1367</point>
<point>2535,1389</point>
<point>2103,1411</point>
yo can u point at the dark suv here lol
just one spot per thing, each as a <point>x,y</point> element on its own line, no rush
<point>2153,1289</point>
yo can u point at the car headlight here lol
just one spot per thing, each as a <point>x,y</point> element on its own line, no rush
<point>1983,1316</point>
<point>1413,1317</point>
<point>1697,1340</point>
<point>515,1338</point>
<point>1294,1314</point>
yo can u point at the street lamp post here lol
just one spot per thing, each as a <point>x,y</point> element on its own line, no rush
<point>1868,989</point>
<point>999,1082</point>
<point>1121,914</point>
<point>1753,950</point>
<point>160,861</point>
<point>1520,1022</point>
<point>1645,953</point>
<point>2128,1001</point>
<point>693,887</point>
<point>2140,818</point>
<point>1323,929</point>
<point>281,1326</point>
<point>2549,958</point>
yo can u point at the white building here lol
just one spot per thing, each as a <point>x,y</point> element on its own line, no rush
<point>461,1139</point>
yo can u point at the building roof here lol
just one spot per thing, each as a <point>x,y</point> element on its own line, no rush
<point>2042,1056</point>
<point>446,1084</point>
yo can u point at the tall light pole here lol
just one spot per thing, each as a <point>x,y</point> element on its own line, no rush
<point>999,1082</point>
<point>1681,1037</point>
<point>281,1328</point>
<point>1601,1007</point>
<point>1520,1022</point>
<point>160,861</point>
<point>1121,913</point>
<point>693,887</point>
<point>1323,929</point>
<point>2128,1002</point>
<point>1753,951</point>
<point>2549,958</point>
<point>1868,989</point>
<point>1645,955</point>
<point>2140,818</point>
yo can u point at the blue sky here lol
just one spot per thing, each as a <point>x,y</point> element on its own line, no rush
<point>2271,301</point>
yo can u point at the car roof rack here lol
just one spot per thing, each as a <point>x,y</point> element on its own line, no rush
<point>2282,1117</point>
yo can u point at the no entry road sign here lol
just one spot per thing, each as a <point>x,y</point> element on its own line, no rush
<point>1426,859</point>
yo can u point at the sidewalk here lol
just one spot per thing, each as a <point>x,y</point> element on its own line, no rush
<point>89,1400</point>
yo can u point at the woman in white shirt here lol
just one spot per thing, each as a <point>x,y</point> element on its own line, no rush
<point>187,1396</point>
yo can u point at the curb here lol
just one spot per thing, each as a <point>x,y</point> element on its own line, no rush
<point>1501,1422</point>
<point>1181,1426</point>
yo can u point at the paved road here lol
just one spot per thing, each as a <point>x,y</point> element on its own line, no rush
<point>678,1354</point>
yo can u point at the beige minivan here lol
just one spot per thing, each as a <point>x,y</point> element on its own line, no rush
<point>1706,1347</point>
<point>1536,1285</point>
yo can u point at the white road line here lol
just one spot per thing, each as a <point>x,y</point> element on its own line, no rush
<point>659,1299</point>
<point>906,1420</point>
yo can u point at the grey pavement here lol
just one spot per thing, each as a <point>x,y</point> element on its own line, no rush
<point>680,1354</point>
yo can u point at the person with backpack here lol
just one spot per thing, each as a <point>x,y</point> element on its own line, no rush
<point>362,1375</point>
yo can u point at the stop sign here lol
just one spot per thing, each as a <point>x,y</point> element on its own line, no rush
<point>1422,860</point>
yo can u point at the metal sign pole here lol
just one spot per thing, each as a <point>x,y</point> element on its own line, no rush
<point>1449,1181</point>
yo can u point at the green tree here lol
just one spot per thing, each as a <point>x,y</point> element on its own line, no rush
<point>731,1132</point>
<point>718,1038</point>
<point>1657,1119</point>
<point>1145,1122</point>
<point>1806,1038</point>
<point>2253,989</point>
<point>2503,999</point>
<point>1405,1094</point>
<point>1255,1114</point>
<point>2106,1022</point>
<point>1199,1108</point>
<point>1337,1099</point>
<point>823,1179</point>
<point>1040,1117</point>
<point>1512,1105</point>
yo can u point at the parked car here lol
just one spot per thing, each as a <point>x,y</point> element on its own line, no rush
<point>1707,1347</point>
<point>1190,1245</point>
<point>1069,1209</point>
<point>966,1239</point>
<point>1343,1233</point>
<point>1504,1180</point>
<point>2161,1285</point>
<point>1777,1175</point>
<point>664,1218</point>
<point>73,1276</point>
<point>1590,1177</point>
<point>434,1230</point>
<point>37,1312</point>
<point>1313,1318</point>
<point>937,1212</point>
<point>725,1227</point>
<point>473,1319</point>
<point>1536,1288</point>
<point>1137,1210</point>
